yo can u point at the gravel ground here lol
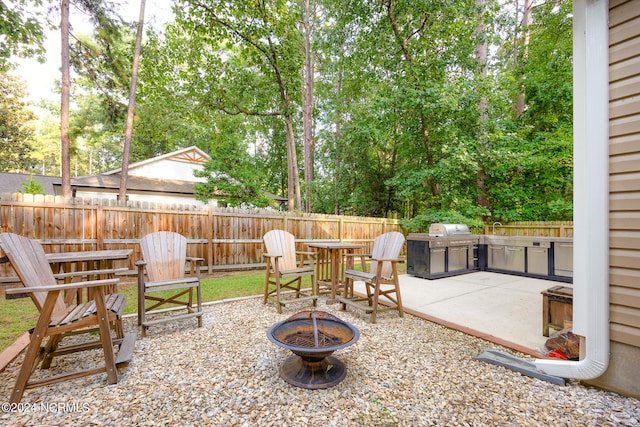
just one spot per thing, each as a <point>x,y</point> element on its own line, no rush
<point>401,372</point>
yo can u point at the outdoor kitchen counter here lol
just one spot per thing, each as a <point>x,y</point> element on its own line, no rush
<point>548,258</point>
<point>533,256</point>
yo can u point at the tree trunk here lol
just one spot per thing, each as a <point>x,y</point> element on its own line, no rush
<point>481,72</point>
<point>526,19</point>
<point>65,142</point>
<point>122,194</point>
<point>307,112</point>
<point>292,167</point>
<point>337,135</point>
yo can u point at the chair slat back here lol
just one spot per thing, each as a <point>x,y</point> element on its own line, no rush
<point>280,242</point>
<point>165,253</point>
<point>30,263</point>
<point>388,246</point>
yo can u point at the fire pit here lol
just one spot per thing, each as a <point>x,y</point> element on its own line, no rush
<point>313,336</point>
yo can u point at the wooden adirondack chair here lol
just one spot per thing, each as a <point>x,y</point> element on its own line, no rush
<point>380,281</point>
<point>164,256</point>
<point>284,271</point>
<point>57,319</point>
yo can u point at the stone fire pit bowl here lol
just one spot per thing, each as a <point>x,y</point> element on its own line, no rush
<point>313,336</point>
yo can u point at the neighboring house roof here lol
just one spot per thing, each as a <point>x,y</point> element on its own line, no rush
<point>12,182</point>
<point>169,175</point>
<point>134,183</point>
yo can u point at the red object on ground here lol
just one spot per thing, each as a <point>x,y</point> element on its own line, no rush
<point>557,354</point>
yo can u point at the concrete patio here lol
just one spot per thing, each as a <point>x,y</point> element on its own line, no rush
<point>502,308</point>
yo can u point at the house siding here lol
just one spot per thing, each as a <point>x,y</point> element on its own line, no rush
<point>168,169</point>
<point>623,370</point>
<point>624,168</point>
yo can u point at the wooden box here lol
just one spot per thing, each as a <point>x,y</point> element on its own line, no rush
<point>557,308</point>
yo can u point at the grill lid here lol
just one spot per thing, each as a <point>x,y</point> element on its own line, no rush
<point>447,230</point>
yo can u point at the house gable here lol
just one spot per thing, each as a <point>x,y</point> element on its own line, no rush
<point>178,165</point>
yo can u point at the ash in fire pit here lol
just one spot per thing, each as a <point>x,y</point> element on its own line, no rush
<point>313,336</point>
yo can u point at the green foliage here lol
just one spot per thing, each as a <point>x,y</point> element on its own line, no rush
<point>238,58</point>
<point>232,176</point>
<point>548,68</point>
<point>103,59</point>
<point>32,186</point>
<point>420,223</point>
<point>21,32</point>
<point>533,180</point>
<point>399,126</point>
<point>46,146</point>
<point>16,125</point>
<point>531,159</point>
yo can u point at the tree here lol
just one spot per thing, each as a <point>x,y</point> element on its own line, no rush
<point>531,164</point>
<point>32,186</point>
<point>482,47</point>
<point>243,45</point>
<point>232,176</point>
<point>307,105</point>
<point>413,104</point>
<point>132,103</point>
<point>46,146</point>
<point>96,133</point>
<point>17,126</point>
<point>65,94</point>
<point>21,32</point>
<point>521,50</point>
<point>403,74</point>
<point>99,15</point>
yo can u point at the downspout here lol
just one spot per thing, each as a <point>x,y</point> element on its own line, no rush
<point>591,193</point>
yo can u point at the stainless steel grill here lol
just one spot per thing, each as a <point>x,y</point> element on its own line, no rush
<point>448,230</point>
<point>448,249</point>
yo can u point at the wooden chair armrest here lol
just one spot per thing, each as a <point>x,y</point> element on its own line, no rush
<point>357,255</point>
<point>272,255</point>
<point>388,259</point>
<point>61,287</point>
<point>194,259</point>
<point>140,263</point>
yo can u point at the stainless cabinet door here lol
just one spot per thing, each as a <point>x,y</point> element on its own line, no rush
<point>436,260</point>
<point>458,258</point>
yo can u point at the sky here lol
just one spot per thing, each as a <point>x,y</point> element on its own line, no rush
<point>41,78</point>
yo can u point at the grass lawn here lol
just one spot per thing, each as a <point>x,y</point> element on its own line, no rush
<point>18,315</point>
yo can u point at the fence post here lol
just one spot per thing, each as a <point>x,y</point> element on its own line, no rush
<point>100,228</point>
<point>210,232</point>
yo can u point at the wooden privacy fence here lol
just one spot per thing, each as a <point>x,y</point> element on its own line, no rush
<point>226,238</point>
<point>533,228</point>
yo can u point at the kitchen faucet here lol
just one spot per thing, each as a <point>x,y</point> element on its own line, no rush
<point>493,228</point>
